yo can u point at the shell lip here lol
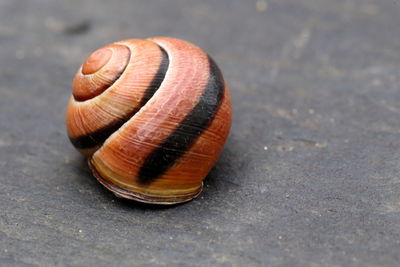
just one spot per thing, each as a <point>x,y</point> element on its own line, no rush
<point>161,200</point>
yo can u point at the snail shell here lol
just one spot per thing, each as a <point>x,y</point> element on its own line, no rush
<point>152,116</point>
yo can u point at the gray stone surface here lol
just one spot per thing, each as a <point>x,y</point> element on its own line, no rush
<point>309,175</point>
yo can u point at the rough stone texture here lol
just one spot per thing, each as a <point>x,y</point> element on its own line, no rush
<point>310,173</point>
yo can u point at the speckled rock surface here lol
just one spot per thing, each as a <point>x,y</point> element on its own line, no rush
<point>309,175</point>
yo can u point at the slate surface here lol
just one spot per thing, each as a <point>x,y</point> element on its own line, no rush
<point>309,175</point>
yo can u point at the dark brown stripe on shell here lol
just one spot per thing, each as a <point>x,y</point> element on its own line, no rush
<point>158,78</point>
<point>182,138</point>
<point>98,137</point>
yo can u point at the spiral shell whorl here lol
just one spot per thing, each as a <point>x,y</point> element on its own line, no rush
<point>153,116</point>
<point>110,96</point>
<point>102,68</point>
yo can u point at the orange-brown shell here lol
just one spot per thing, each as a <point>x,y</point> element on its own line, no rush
<point>152,116</point>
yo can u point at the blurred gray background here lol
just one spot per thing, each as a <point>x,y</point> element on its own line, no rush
<point>309,175</point>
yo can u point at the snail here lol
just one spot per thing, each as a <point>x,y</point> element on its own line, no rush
<point>152,117</point>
